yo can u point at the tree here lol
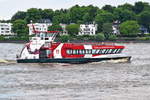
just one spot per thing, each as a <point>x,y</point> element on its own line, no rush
<point>19,15</point>
<point>144,19</point>
<point>107,29</point>
<point>64,38</point>
<point>108,8</point>
<point>126,6</point>
<point>112,37</point>
<point>140,6</point>
<point>100,37</point>
<point>86,18</point>
<point>76,13</point>
<point>129,28</point>
<point>56,19</point>
<point>124,14</point>
<point>73,29</point>
<point>20,27</point>
<point>33,14</point>
<point>47,14</point>
<point>103,17</point>
<point>65,18</point>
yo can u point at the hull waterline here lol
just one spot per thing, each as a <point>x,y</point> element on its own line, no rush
<point>73,60</point>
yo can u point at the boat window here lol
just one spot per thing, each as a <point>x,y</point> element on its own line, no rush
<point>80,51</point>
<point>97,51</point>
<point>48,52</point>
<point>74,51</point>
<point>93,51</point>
<point>120,50</point>
<point>77,51</point>
<point>83,51</point>
<point>102,51</point>
<point>109,52</point>
<point>106,51</point>
<point>116,50</point>
<point>69,51</point>
<point>87,51</point>
<point>113,51</point>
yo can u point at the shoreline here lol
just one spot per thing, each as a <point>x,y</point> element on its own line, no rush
<point>115,41</point>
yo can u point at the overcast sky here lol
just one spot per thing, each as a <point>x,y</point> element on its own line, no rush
<point>9,7</point>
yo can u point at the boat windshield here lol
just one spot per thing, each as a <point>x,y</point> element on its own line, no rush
<point>43,35</point>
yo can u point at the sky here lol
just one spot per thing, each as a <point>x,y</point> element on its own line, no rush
<point>9,7</point>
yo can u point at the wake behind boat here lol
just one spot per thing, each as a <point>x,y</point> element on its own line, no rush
<point>43,49</point>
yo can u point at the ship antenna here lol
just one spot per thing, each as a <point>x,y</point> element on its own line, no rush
<point>34,31</point>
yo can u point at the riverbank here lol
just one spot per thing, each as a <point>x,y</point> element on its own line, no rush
<point>13,41</point>
<point>79,41</point>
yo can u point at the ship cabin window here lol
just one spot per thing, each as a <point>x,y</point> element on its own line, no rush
<point>69,51</point>
<point>93,51</point>
<point>115,51</point>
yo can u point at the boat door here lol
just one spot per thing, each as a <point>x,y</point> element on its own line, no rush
<point>45,53</point>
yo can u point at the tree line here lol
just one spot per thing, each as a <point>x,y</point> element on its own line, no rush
<point>130,16</point>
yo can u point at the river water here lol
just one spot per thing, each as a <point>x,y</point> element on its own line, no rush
<point>93,81</point>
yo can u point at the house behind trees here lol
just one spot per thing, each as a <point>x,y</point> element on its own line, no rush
<point>6,29</point>
<point>88,29</point>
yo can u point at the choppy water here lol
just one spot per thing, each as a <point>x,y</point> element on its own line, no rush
<point>94,81</point>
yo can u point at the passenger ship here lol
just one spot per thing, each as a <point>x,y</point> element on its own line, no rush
<point>43,49</point>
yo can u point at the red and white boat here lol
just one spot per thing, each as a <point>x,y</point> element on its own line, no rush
<point>43,49</point>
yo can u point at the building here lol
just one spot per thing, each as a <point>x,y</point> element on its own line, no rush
<point>143,30</point>
<point>38,27</point>
<point>87,29</point>
<point>6,29</point>
<point>115,28</point>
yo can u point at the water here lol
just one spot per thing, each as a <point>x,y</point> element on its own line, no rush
<point>94,81</point>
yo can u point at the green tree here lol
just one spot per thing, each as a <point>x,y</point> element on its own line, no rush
<point>100,37</point>
<point>112,37</point>
<point>86,18</point>
<point>56,19</point>
<point>108,8</point>
<point>107,29</point>
<point>129,28</point>
<point>20,27</point>
<point>64,38</point>
<point>19,15</point>
<point>47,14</point>
<point>103,17</point>
<point>65,18</point>
<point>126,6</point>
<point>124,14</point>
<point>144,19</point>
<point>33,14</point>
<point>76,13</point>
<point>140,6</point>
<point>73,29</point>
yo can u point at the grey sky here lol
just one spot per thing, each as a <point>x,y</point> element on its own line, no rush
<point>10,7</point>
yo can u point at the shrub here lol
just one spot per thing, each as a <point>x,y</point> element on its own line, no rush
<point>100,37</point>
<point>64,38</point>
<point>112,37</point>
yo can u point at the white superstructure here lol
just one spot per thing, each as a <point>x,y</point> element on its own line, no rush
<point>38,27</point>
<point>64,31</point>
<point>6,29</point>
<point>87,29</point>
